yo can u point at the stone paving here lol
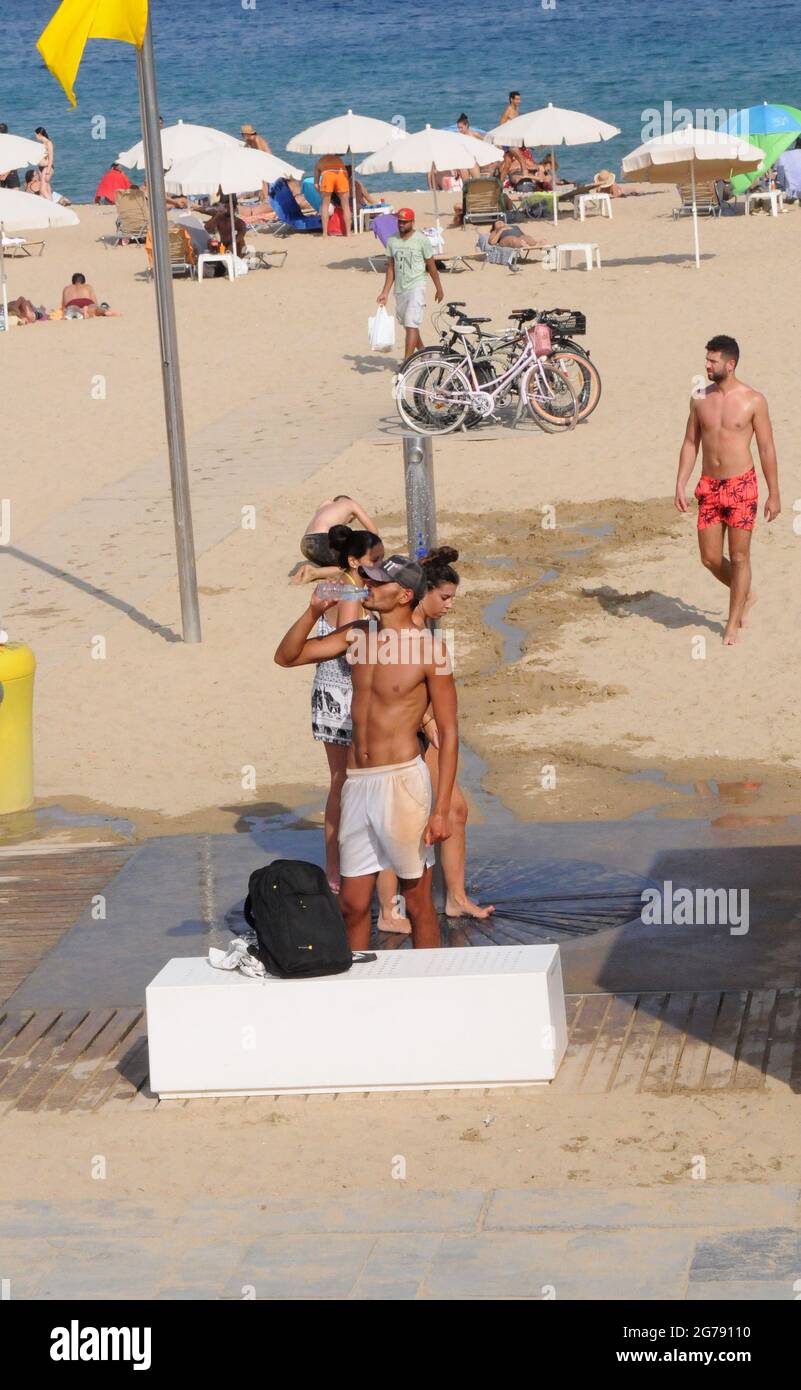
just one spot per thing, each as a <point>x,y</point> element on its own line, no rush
<point>734,1242</point>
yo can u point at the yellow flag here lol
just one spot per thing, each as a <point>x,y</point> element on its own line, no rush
<point>62,43</point>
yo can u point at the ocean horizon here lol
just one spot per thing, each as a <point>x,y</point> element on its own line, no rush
<point>282,67</point>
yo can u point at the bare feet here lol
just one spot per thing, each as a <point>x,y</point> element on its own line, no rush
<point>749,603</point>
<point>302,575</point>
<point>395,923</point>
<point>731,636</point>
<point>465,907</point>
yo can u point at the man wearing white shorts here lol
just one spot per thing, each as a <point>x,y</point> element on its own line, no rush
<point>388,820</point>
<point>410,260</point>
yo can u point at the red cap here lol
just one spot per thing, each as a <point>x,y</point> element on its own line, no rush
<point>405,215</point>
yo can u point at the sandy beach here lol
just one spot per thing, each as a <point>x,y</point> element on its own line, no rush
<point>286,405</point>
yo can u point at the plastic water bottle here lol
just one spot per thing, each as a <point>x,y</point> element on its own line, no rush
<point>331,588</point>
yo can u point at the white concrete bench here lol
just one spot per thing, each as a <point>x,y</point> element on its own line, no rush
<point>408,1020</point>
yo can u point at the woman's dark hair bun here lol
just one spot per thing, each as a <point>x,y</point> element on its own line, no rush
<point>442,555</point>
<point>338,536</point>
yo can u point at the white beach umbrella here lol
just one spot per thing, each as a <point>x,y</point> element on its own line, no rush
<point>16,150</point>
<point>430,150</point>
<point>682,155</point>
<point>231,168</point>
<point>551,126</point>
<point>179,141</point>
<point>27,212</point>
<point>348,134</point>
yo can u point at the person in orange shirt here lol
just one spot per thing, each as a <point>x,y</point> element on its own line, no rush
<point>331,176</point>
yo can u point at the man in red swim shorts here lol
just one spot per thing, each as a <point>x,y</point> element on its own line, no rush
<point>724,418</point>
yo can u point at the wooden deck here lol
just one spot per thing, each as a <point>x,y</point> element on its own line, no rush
<point>659,1044</point>
<point>41,895</point>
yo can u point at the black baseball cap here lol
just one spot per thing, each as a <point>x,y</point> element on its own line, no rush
<point>397,569</point>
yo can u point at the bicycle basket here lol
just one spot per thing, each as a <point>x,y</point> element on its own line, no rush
<point>566,321</point>
<point>540,338</point>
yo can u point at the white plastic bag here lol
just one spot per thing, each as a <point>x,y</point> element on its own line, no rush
<point>437,238</point>
<point>381,330</point>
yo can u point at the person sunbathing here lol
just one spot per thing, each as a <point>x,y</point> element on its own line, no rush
<point>219,226</point>
<point>26,311</point>
<point>79,300</point>
<point>503,235</point>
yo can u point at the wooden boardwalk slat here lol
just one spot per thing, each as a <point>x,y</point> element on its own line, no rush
<point>662,1064</point>
<point>785,1048</point>
<point>583,1036</point>
<point>82,1071</point>
<point>720,1063</point>
<point>108,1074</point>
<point>12,1024</point>
<point>639,1043</point>
<point>24,1040</point>
<point>692,1063</point>
<point>610,1043</point>
<point>750,1073</point>
<point>74,1051</point>
<point>573,1003</point>
<point>34,1066</point>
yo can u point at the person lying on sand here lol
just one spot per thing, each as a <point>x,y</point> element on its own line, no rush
<point>724,418</point>
<point>335,511</point>
<point>78,297</point>
<point>27,312</point>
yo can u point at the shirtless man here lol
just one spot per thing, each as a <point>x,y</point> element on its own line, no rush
<point>78,295</point>
<point>331,176</point>
<point>512,110</point>
<point>724,418</point>
<point>388,820</point>
<point>335,511</point>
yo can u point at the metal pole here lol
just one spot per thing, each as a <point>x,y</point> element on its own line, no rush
<point>421,506</point>
<point>695,215</point>
<point>170,369</point>
<point>3,276</point>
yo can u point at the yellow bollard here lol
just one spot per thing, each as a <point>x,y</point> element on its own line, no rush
<point>17,665</point>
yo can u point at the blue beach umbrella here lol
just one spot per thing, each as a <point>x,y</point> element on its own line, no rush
<point>772,128</point>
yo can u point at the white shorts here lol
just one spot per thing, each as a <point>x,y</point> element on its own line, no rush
<point>410,305</point>
<point>385,811</point>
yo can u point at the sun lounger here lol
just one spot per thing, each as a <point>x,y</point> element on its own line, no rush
<point>311,194</point>
<point>132,215</point>
<point>386,225</point>
<point>20,246</point>
<point>266,260</point>
<point>511,256</point>
<point>287,209</point>
<point>706,198</point>
<point>183,257</point>
<point>482,201</point>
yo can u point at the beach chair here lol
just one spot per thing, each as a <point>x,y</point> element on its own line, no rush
<point>482,201</point>
<point>20,246</point>
<point>386,225</point>
<point>511,256</point>
<point>132,216</point>
<point>183,257</point>
<point>706,198</point>
<point>287,209</point>
<point>311,194</point>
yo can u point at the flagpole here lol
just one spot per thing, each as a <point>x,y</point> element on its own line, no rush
<point>170,368</point>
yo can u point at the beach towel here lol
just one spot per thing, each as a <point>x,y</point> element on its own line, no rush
<point>310,193</point>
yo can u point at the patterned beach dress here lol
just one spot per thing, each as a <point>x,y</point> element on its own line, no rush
<point>331,695</point>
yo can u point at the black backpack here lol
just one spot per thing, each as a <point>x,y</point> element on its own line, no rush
<point>297,920</point>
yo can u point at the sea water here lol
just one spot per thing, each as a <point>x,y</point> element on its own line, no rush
<point>285,64</point>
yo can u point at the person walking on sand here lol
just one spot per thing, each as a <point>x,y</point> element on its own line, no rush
<point>724,418</point>
<point>410,258</point>
<point>315,547</point>
<point>389,819</point>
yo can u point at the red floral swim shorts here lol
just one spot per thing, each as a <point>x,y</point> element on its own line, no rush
<point>732,501</point>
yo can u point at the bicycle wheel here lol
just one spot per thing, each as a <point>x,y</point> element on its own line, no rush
<point>583,376</point>
<point>433,396</point>
<point>422,358</point>
<point>549,397</point>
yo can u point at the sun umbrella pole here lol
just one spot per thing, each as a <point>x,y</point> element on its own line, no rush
<point>3,276</point>
<point>695,216</point>
<point>171,374</point>
<point>434,191</point>
<point>233,231</point>
<point>354,223</point>
<point>553,186</point>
